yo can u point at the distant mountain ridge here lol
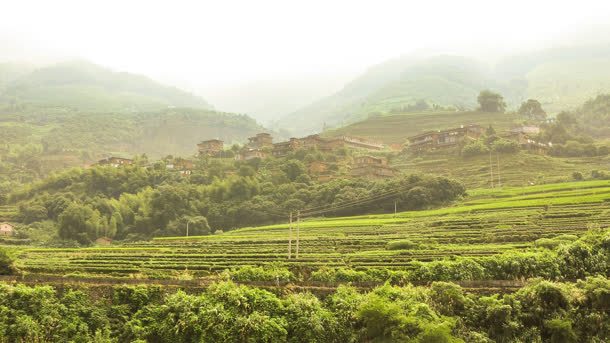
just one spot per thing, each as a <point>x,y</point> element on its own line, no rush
<point>560,78</point>
<point>87,110</point>
<point>86,86</point>
<point>445,80</point>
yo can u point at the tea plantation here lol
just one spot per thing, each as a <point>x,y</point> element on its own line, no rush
<point>507,233</point>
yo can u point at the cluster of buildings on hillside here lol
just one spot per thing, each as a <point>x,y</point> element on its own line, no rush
<point>261,146</point>
<point>525,136</point>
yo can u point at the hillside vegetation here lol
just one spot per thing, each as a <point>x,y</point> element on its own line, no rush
<point>506,233</point>
<point>45,140</point>
<point>73,113</point>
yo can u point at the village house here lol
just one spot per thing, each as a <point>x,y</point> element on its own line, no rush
<point>530,130</point>
<point>105,241</point>
<point>181,165</point>
<point>320,171</point>
<point>323,144</point>
<point>248,154</point>
<point>260,141</point>
<point>7,229</point>
<point>443,139</point>
<point>371,167</point>
<point>114,162</point>
<point>357,142</point>
<point>211,147</point>
<point>311,141</point>
<point>284,148</point>
<point>525,136</point>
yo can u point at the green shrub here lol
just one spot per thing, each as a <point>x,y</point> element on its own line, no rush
<point>505,146</point>
<point>547,243</point>
<point>341,275</point>
<point>6,263</point>
<point>267,273</point>
<point>474,148</point>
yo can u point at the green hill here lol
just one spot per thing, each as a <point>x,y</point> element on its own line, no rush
<point>88,87</point>
<point>12,71</point>
<point>159,133</point>
<point>444,80</point>
<point>561,78</point>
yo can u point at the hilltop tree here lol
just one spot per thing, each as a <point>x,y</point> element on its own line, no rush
<point>532,109</point>
<point>491,102</point>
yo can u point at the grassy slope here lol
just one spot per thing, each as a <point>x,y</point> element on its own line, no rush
<point>397,128</point>
<point>519,169</point>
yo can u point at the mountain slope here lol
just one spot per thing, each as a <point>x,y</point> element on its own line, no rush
<point>443,80</point>
<point>89,87</point>
<point>561,78</point>
<point>173,131</point>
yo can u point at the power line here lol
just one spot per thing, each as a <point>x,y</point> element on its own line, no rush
<point>355,203</point>
<point>372,197</point>
<point>352,204</point>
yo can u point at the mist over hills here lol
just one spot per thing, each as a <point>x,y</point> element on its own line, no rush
<point>560,78</point>
<point>82,109</point>
<point>269,99</point>
<point>85,86</point>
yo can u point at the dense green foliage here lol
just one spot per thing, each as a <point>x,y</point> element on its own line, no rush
<point>226,312</point>
<point>532,109</point>
<point>138,202</point>
<point>6,263</point>
<point>491,102</point>
<point>509,233</point>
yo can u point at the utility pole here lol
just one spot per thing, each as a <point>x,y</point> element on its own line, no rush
<point>499,180</point>
<point>491,171</point>
<point>394,208</point>
<point>298,231</point>
<point>290,237</point>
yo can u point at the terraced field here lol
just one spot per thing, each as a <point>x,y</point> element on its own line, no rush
<point>7,213</point>
<point>520,169</point>
<point>486,223</point>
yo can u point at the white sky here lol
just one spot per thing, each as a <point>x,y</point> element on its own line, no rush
<point>223,42</point>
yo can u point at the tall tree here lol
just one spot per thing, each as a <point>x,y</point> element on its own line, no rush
<point>491,102</point>
<point>532,109</point>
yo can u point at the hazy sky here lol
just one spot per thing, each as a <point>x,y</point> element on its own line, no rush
<point>219,43</point>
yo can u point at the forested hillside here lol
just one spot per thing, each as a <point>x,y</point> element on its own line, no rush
<point>73,113</point>
<point>39,141</point>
